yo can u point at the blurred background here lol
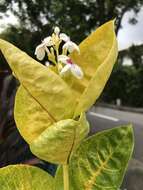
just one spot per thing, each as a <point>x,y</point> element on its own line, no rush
<point>26,22</point>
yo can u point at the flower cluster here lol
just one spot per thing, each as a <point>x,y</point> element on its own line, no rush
<point>62,62</point>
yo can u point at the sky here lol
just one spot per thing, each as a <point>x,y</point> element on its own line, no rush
<point>128,35</point>
<point>7,20</point>
<point>131,34</point>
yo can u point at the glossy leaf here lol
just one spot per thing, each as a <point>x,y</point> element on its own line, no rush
<point>101,161</point>
<point>24,177</point>
<point>44,85</point>
<point>98,53</point>
<point>57,143</point>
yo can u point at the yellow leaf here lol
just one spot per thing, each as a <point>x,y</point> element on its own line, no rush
<point>98,53</point>
<point>47,107</point>
<point>31,119</point>
<point>45,137</point>
<point>58,142</point>
<point>44,85</point>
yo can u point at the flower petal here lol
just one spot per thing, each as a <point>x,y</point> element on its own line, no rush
<point>57,30</point>
<point>48,41</point>
<point>64,37</point>
<point>47,63</point>
<point>40,52</point>
<point>71,46</point>
<point>65,69</point>
<point>63,58</point>
<point>76,71</point>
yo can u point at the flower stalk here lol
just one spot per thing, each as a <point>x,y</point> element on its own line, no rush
<point>66,176</point>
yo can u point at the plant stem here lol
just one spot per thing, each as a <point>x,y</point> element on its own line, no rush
<point>66,176</point>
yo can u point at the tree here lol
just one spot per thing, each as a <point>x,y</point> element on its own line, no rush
<point>135,53</point>
<point>77,17</point>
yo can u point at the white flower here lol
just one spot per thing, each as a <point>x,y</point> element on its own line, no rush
<point>64,37</point>
<point>71,46</point>
<point>42,48</point>
<point>40,51</point>
<point>48,41</point>
<point>63,58</point>
<point>70,66</point>
<point>47,63</point>
<point>57,30</point>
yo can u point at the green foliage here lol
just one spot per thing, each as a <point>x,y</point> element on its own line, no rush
<point>42,15</point>
<point>106,170</point>
<point>121,75</point>
<point>22,38</point>
<point>75,17</point>
<point>125,83</point>
<point>99,162</point>
<point>22,177</point>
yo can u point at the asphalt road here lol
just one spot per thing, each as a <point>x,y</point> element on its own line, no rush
<point>104,118</point>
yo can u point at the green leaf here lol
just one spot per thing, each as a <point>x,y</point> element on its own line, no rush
<point>44,85</point>
<point>31,118</point>
<point>101,161</point>
<point>98,53</point>
<point>57,143</point>
<point>45,138</point>
<point>24,177</point>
